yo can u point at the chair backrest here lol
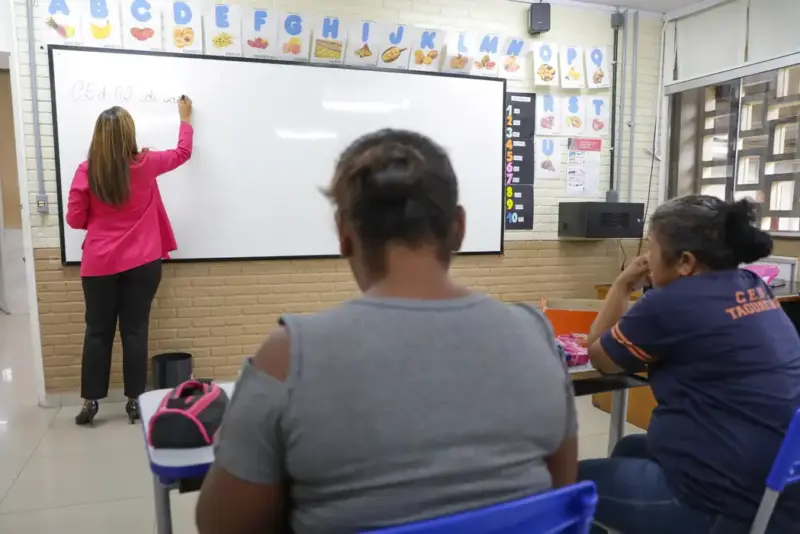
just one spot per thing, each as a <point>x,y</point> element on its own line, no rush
<point>567,510</point>
<point>786,468</point>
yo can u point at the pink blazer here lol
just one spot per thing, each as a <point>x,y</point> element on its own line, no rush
<point>136,233</point>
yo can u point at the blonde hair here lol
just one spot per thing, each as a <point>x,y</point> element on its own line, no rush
<point>111,153</point>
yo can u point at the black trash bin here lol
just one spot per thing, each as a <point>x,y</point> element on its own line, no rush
<point>170,369</point>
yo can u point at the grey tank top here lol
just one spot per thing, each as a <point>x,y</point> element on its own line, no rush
<point>400,410</point>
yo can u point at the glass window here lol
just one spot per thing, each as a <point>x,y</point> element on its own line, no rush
<point>741,139</point>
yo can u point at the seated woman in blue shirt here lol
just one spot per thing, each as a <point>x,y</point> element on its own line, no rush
<point>724,365</point>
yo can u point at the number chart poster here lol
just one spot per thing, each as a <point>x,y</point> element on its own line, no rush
<point>518,160</point>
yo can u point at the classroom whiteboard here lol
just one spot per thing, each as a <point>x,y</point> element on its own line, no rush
<point>267,137</point>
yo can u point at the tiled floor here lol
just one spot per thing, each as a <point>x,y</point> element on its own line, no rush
<point>58,478</point>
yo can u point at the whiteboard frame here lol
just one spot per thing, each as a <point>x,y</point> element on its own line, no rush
<point>501,185</point>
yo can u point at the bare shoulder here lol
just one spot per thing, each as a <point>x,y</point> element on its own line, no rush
<point>273,356</point>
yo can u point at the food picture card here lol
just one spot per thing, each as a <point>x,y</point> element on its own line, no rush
<point>460,51</point>
<point>141,26</point>
<point>572,73</point>
<point>426,50</point>
<point>485,61</point>
<point>598,115</point>
<point>183,27</point>
<point>362,43</point>
<point>511,64</point>
<point>294,37</point>
<point>223,30</point>
<point>598,74</point>
<point>545,64</point>
<point>550,158</point>
<point>548,114</point>
<point>394,43</point>
<point>62,22</point>
<point>573,111</point>
<point>329,40</point>
<point>259,33</point>
<point>101,24</point>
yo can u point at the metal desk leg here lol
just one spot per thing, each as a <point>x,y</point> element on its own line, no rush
<point>619,411</point>
<point>163,508</point>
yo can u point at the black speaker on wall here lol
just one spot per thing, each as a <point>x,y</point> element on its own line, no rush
<point>539,18</point>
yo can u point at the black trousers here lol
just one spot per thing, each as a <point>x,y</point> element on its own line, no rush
<point>126,296</point>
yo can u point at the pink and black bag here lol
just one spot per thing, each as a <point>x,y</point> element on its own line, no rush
<point>188,417</point>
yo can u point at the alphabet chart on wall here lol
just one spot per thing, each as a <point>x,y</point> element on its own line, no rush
<point>518,160</point>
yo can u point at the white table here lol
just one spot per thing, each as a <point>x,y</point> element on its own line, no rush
<point>170,466</point>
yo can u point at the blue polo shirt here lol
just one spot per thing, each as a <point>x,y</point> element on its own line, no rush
<point>724,365</point>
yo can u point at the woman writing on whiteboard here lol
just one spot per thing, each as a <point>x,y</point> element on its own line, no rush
<point>115,198</point>
<point>420,398</point>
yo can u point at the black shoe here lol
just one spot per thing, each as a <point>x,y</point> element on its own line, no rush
<point>132,409</point>
<point>87,413</point>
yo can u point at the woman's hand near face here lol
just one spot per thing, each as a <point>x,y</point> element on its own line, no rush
<point>635,275</point>
<point>185,108</point>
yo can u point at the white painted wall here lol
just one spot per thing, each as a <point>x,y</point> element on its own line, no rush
<point>6,20</point>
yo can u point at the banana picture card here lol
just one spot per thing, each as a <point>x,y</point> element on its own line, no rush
<point>573,76</point>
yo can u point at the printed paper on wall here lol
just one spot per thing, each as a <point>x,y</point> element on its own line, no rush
<point>102,26</point>
<point>485,61</point>
<point>62,22</point>
<point>260,33</point>
<point>548,114</point>
<point>573,109</point>
<point>141,25</point>
<point>598,115</point>
<point>573,75</point>
<point>426,49</point>
<point>294,37</point>
<point>550,158</point>
<point>394,43</point>
<point>183,27</point>
<point>363,43</point>
<point>223,30</point>
<point>513,58</point>
<point>330,40</point>
<point>460,52</point>
<point>545,64</point>
<point>598,73</point>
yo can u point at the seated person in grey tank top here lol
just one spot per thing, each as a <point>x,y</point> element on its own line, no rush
<point>417,400</point>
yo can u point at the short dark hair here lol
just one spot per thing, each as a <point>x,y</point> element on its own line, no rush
<point>396,186</point>
<point>719,234</point>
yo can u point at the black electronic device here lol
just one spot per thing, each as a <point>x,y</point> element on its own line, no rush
<point>600,220</point>
<point>539,18</point>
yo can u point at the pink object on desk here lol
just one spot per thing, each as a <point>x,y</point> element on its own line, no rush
<point>768,273</point>
<point>574,346</point>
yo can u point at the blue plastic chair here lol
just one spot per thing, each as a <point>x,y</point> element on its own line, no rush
<point>563,511</point>
<point>785,471</point>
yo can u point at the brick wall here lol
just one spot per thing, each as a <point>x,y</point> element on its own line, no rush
<point>221,311</point>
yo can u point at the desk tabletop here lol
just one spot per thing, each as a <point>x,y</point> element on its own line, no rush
<point>175,464</point>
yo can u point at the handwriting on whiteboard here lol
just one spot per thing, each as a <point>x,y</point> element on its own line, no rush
<point>118,94</point>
